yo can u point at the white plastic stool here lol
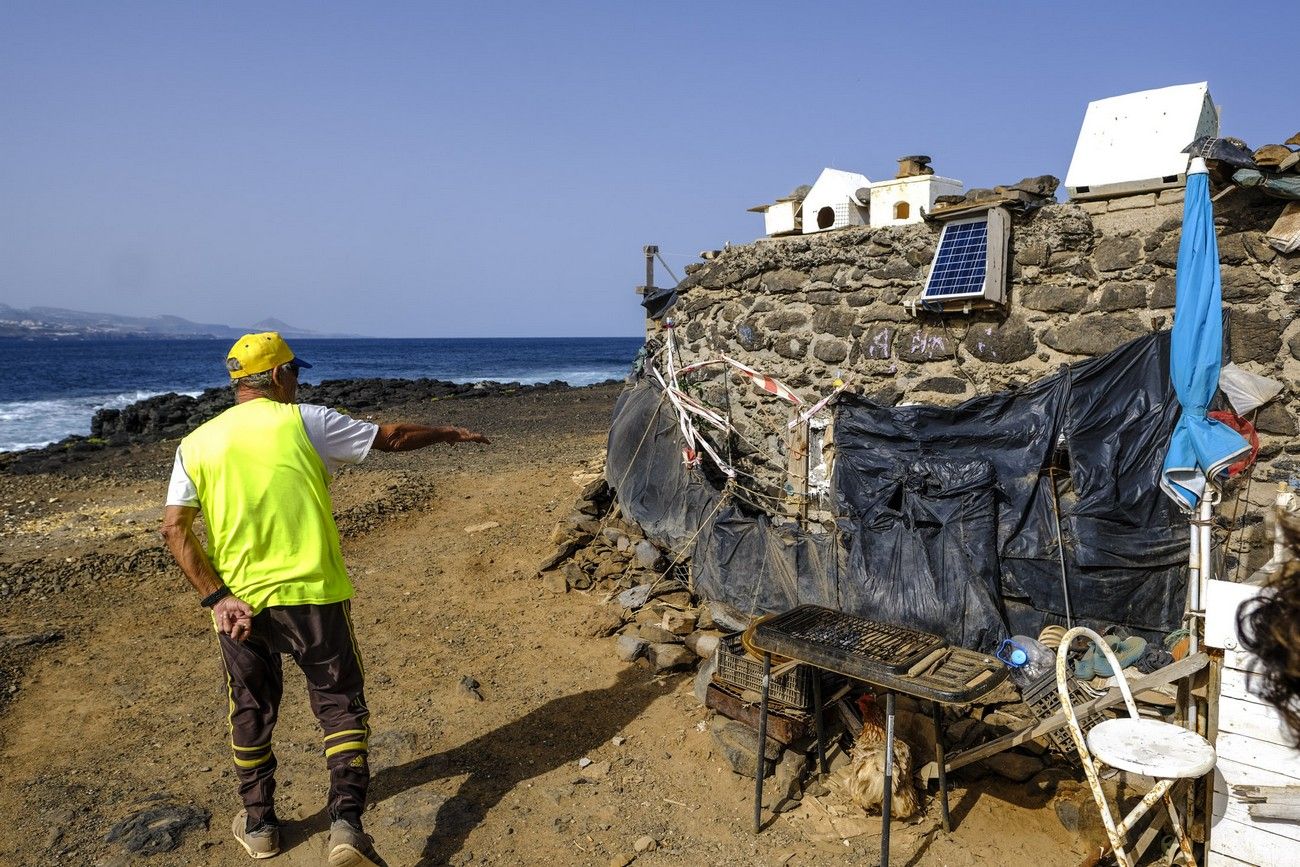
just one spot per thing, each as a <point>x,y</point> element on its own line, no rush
<point>1149,747</point>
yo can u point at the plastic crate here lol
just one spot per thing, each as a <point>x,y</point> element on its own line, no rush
<point>1044,700</point>
<point>740,670</point>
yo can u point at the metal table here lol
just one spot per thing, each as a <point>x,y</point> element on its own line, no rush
<point>893,659</point>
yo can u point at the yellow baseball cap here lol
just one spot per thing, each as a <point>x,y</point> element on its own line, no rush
<point>257,353</point>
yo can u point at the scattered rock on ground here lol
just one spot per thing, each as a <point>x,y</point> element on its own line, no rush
<point>1015,766</point>
<point>704,677</point>
<point>630,647</point>
<point>647,555</point>
<point>635,597</point>
<point>158,826</point>
<point>656,634</point>
<point>469,687</point>
<point>601,622</point>
<point>703,644</point>
<point>671,657</point>
<point>739,745</point>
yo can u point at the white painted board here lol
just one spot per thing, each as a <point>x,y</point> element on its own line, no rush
<point>1251,845</point>
<point>1241,685</point>
<point>1222,599</point>
<point>1253,746</point>
<point>1260,721</point>
<point>1275,758</point>
<point>1218,859</point>
<point>1228,773</point>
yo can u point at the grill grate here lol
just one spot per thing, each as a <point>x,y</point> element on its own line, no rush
<point>852,640</point>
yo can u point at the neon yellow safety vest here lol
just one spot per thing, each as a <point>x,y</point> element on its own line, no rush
<point>262,488</point>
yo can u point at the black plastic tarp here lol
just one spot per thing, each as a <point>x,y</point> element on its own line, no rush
<point>922,539</point>
<point>736,557</point>
<point>947,517</point>
<point>1100,426</point>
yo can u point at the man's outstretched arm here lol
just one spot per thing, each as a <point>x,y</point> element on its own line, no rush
<point>234,616</point>
<point>405,437</point>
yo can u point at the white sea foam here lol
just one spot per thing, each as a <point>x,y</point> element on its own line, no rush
<point>576,377</point>
<point>29,424</point>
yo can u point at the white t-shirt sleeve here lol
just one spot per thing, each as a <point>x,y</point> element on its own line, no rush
<point>339,439</point>
<point>180,490</point>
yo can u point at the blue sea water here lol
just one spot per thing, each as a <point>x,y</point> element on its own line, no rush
<point>51,389</point>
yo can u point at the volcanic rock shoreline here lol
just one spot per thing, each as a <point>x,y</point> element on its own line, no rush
<point>171,415</point>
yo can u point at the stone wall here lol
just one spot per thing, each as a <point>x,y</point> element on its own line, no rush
<point>1083,279</point>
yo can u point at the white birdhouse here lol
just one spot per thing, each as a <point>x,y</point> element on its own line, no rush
<point>1134,143</point>
<point>833,202</point>
<point>780,218</point>
<point>899,201</point>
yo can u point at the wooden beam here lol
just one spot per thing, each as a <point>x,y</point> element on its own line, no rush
<point>1271,802</point>
<point>1170,673</point>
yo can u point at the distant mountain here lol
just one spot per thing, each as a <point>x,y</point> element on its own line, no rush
<point>60,323</point>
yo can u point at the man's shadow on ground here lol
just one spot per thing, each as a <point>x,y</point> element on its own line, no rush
<point>559,732</point>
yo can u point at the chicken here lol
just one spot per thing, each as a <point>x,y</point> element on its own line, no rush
<point>863,779</point>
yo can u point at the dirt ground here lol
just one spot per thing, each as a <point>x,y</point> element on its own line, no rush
<point>119,698</point>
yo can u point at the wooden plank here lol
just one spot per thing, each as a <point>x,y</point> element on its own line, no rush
<point>1238,684</point>
<point>1253,845</point>
<point>1274,758</point>
<point>1170,673</point>
<point>780,728</point>
<point>1285,234</point>
<point>1270,794</point>
<point>1226,807</point>
<point>1229,773</point>
<point>1262,722</point>
<point>1204,808</point>
<point>797,467</point>
<point>1218,859</point>
<point>1241,660</point>
<point>1270,802</point>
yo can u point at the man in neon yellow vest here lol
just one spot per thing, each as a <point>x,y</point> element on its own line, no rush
<point>273,575</point>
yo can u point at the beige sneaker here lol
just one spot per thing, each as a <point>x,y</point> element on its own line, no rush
<point>259,844</point>
<point>352,847</point>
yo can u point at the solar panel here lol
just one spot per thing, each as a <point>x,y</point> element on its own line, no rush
<point>961,262</point>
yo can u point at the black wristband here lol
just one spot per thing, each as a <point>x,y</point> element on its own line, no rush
<point>215,596</point>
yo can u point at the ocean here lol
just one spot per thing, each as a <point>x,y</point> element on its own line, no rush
<point>51,389</point>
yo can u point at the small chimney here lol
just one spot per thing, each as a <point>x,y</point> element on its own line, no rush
<point>910,167</point>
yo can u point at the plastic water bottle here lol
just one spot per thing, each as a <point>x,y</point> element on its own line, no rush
<point>1028,658</point>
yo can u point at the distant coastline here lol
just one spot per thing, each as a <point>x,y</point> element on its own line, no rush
<point>57,323</point>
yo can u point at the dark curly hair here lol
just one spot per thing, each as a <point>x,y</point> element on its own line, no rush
<point>1270,628</point>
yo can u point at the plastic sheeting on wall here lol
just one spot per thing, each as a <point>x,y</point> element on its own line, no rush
<point>947,515</point>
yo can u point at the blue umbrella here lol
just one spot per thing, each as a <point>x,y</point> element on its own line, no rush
<point>1200,448</point>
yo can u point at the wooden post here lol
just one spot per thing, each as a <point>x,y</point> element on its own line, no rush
<point>1201,820</point>
<point>797,469</point>
<point>650,251</point>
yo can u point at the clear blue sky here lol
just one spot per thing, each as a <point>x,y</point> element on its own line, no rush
<point>492,169</point>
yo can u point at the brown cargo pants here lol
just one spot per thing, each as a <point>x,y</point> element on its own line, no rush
<point>321,641</point>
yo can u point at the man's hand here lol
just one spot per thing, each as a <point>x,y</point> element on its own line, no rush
<point>234,617</point>
<point>464,435</point>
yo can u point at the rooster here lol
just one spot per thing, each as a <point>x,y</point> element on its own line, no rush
<point>863,779</point>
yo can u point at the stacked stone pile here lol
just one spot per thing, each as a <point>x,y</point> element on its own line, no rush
<point>646,602</point>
